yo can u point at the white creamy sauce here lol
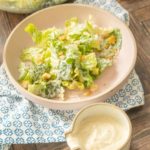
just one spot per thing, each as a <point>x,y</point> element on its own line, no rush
<point>98,133</point>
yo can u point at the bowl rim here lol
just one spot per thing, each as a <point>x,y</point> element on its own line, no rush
<point>86,99</point>
<point>109,106</point>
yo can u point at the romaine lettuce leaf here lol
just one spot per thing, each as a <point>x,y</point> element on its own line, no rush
<point>103,63</point>
<point>65,70</point>
<point>47,89</point>
<point>89,61</point>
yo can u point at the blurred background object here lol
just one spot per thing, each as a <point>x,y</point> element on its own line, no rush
<point>27,6</point>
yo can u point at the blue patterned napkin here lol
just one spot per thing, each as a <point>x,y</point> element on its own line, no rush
<point>22,121</point>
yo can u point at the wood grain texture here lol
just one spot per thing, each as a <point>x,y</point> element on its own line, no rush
<point>53,146</point>
<point>132,5</point>
<point>24,147</point>
<point>7,22</point>
<point>140,117</point>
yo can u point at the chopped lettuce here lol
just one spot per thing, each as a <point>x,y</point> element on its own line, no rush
<point>69,58</point>
<point>65,70</point>
<point>86,78</point>
<point>47,89</point>
<point>41,38</point>
<point>34,32</point>
<point>89,62</point>
<point>103,63</point>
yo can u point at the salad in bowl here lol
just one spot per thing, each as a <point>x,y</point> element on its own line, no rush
<point>68,58</point>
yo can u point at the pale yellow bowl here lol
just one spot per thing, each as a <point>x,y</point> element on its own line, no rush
<point>109,82</point>
<point>99,109</point>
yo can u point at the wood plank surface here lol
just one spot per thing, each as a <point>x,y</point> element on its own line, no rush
<point>24,147</point>
<point>140,26</point>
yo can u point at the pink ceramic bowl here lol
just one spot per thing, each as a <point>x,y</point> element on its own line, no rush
<point>109,82</point>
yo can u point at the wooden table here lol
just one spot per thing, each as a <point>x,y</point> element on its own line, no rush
<point>140,26</point>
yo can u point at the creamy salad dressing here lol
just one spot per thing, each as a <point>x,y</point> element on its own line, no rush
<point>98,133</point>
